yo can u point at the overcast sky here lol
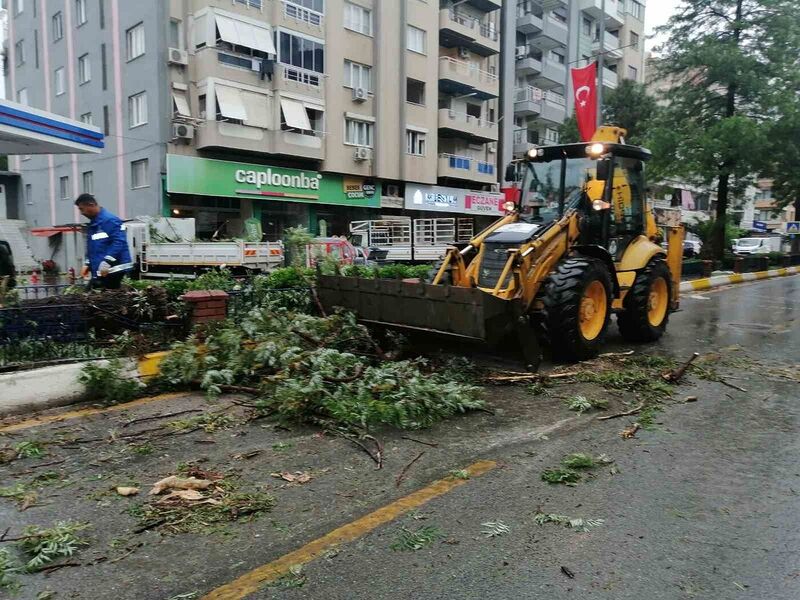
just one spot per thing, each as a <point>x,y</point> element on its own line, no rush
<point>658,13</point>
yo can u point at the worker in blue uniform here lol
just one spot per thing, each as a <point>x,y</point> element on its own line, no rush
<point>108,258</point>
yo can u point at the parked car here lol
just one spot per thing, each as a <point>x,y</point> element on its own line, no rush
<point>763,245</point>
<point>7,269</point>
<point>691,248</point>
<point>340,249</point>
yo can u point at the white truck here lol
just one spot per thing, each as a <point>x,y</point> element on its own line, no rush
<point>757,245</point>
<point>165,247</point>
<point>411,240</point>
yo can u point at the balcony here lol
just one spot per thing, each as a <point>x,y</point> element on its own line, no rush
<point>293,79</point>
<point>529,23</point>
<point>609,79</point>
<point>467,168</point>
<point>232,136</point>
<point>458,124</point>
<point>528,101</point>
<point>594,8</point>
<point>524,140</point>
<point>459,30</point>
<point>553,74</point>
<point>610,47</point>
<point>554,108</point>
<point>460,77</point>
<point>553,35</point>
<point>529,61</point>
<point>486,5</point>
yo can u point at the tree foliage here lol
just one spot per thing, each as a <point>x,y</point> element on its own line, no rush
<point>724,61</point>
<point>631,107</point>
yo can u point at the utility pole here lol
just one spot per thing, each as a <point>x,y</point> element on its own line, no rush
<point>601,63</point>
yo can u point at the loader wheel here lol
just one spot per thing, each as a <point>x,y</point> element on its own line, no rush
<point>646,309</point>
<point>577,307</point>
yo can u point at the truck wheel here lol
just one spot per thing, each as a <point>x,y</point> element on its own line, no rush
<point>577,308</point>
<point>646,307</point>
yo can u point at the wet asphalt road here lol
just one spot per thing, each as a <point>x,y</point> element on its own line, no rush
<point>704,506</point>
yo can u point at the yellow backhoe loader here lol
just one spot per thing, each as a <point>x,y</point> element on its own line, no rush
<point>580,245</point>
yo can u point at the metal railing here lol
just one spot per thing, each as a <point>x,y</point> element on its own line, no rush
<point>302,14</point>
<point>467,119</point>
<point>469,69</point>
<point>38,292</point>
<point>302,76</point>
<point>526,136</point>
<point>528,94</point>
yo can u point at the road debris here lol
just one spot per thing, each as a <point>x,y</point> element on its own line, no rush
<point>689,399</point>
<point>627,413</point>
<point>179,483</point>
<point>733,386</point>
<point>578,524</point>
<point>675,375</point>
<point>127,491</point>
<point>404,471</point>
<point>495,529</point>
<point>566,571</point>
<point>582,404</point>
<point>411,541</point>
<point>630,431</point>
<point>298,477</point>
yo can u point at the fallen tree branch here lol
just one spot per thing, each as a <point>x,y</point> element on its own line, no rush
<point>127,554</point>
<point>627,413</point>
<point>364,448</point>
<point>431,444</point>
<point>402,475</point>
<point>164,416</point>
<point>733,386</point>
<point>240,388</point>
<point>675,375</point>
<point>378,450</point>
<point>50,568</point>
<point>532,377</point>
<point>148,526</point>
<point>358,372</point>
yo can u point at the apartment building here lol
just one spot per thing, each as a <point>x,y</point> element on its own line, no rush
<point>292,112</point>
<point>551,37</point>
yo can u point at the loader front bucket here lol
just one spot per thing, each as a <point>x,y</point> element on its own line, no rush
<point>449,310</point>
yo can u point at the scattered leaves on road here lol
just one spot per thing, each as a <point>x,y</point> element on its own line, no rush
<point>298,477</point>
<point>578,524</point>
<point>582,404</point>
<point>43,546</point>
<point>411,541</point>
<point>559,475</point>
<point>495,529</point>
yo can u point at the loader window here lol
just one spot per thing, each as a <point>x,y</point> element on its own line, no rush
<point>628,196</point>
<point>542,187</point>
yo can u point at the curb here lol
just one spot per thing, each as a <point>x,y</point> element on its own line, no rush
<point>51,387</point>
<point>720,280</point>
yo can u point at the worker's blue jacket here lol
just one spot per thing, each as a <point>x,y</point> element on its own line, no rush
<point>107,241</point>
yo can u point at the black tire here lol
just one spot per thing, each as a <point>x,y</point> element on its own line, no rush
<point>634,321</point>
<point>562,299</point>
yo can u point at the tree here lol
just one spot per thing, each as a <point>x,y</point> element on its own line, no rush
<point>784,166</point>
<point>722,61</point>
<point>628,106</point>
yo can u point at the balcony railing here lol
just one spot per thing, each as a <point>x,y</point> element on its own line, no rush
<point>469,69</point>
<point>526,136</point>
<point>458,162</point>
<point>488,31</point>
<point>555,98</point>
<point>302,14</point>
<point>468,165</point>
<point>528,94</point>
<point>467,119</point>
<point>302,76</point>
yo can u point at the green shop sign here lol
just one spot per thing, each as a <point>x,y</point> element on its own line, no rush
<point>206,177</point>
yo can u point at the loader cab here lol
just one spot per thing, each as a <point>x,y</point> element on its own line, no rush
<point>603,182</point>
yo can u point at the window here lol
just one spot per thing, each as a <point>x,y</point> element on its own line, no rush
<point>415,39</point>
<point>250,3</point>
<point>139,174</point>
<point>104,66</point>
<point>557,57</point>
<point>58,26</point>
<point>633,73</point>
<point>301,52</point>
<point>587,27</point>
<point>59,80</point>
<point>175,34</point>
<point>19,6</point>
<point>19,50</point>
<point>88,182</point>
<point>106,121</point>
<point>315,5</point>
<point>180,101</point>
<point>559,16</point>
<point>358,133</point>
<point>137,110</point>
<point>415,91</point>
<point>636,9</point>
<point>357,75</point>
<point>63,188</point>
<point>357,18</point>
<point>135,40</point>
<point>28,194</point>
<point>634,40</point>
<point>87,118</point>
<point>551,135</point>
<point>415,143</point>
<point>80,11</point>
<point>36,47</point>
<point>102,14</point>
<point>22,96</point>
<point>84,69</point>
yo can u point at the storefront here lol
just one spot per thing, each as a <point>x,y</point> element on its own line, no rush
<point>483,207</point>
<point>221,195</point>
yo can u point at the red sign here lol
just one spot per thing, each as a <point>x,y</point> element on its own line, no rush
<point>584,82</point>
<point>490,204</point>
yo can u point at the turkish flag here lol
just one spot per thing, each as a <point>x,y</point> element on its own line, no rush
<point>584,82</point>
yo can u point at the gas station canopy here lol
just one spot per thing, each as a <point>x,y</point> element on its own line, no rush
<point>26,130</point>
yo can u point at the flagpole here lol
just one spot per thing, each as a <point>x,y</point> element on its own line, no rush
<point>601,63</point>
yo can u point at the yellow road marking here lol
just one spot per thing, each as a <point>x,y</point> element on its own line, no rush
<point>736,278</point>
<point>254,580</point>
<point>701,284</point>
<point>85,412</point>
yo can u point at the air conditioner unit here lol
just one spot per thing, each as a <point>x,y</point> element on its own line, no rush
<point>492,147</point>
<point>181,131</point>
<point>522,51</point>
<point>178,57</point>
<point>363,153</point>
<point>360,94</point>
<point>463,53</point>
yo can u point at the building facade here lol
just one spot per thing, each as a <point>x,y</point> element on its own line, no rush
<point>550,37</point>
<point>293,112</point>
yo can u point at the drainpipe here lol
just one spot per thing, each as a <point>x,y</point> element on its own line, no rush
<point>403,80</point>
<point>601,63</point>
<point>376,49</point>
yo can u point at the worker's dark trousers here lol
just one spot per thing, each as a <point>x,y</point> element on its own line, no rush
<point>112,281</point>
